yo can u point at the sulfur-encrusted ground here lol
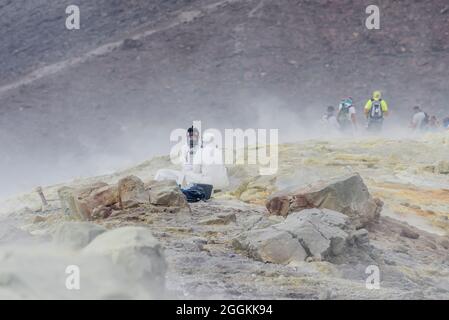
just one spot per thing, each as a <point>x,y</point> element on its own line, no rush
<point>408,175</point>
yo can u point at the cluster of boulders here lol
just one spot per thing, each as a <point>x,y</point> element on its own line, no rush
<point>101,200</point>
<point>311,234</point>
<point>322,222</point>
<point>348,195</point>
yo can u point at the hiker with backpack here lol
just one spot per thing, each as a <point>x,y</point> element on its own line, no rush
<point>376,109</point>
<point>346,116</point>
<point>329,121</point>
<point>434,124</point>
<point>420,120</point>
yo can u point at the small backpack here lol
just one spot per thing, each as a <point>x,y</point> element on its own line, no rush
<point>343,115</point>
<point>376,112</point>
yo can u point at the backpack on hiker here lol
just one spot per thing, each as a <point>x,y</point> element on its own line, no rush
<point>376,113</point>
<point>343,115</point>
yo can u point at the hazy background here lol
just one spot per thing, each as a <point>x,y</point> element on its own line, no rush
<point>248,64</point>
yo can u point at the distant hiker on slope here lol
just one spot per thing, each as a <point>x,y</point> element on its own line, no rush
<point>329,121</point>
<point>434,124</point>
<point>420,120</point>
<point>346,116</point>
<point>376,109</point>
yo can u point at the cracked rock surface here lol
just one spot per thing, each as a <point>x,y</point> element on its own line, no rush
<point>319,234</point>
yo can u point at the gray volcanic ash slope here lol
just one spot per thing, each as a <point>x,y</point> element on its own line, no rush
<point>77,107</point>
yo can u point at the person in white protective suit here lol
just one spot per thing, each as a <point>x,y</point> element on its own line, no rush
<point>185,157</point>
<point>212,168</point>
<point>201,163</point>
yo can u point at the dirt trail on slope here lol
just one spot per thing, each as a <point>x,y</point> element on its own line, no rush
<point>182,17</point>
